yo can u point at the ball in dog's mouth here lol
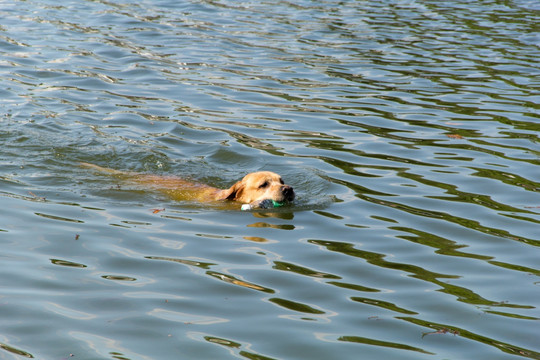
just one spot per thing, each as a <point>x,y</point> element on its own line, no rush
<point>263,204</point>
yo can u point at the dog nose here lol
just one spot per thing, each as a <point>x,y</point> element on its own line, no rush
<point>288,192</point>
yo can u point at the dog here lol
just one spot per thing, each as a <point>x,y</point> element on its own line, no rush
<point>256,186</point>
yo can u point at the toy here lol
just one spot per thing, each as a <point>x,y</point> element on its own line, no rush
<point>262,204</point>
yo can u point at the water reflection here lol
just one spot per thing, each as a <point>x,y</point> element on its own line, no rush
<point>295,306</point>
<point>461,293</point>
<point>383,304</point>
<point>233,280</point>
<point>283,266</point>
<point>16,351</point>
<point>374,342</point>
<point>202,265</point>
<point>452,330</point>
<point>67,263</point>
<point>272,226</point>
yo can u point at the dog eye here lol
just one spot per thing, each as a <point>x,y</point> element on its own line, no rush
<point>281,182</point>
<point>263,185</point>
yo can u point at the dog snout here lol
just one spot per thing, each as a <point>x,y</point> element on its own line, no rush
<point>288,192</point>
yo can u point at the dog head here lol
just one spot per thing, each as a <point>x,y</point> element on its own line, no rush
<point>259,186</point>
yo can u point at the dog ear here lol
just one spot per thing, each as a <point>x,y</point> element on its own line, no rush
<point>233,193</point>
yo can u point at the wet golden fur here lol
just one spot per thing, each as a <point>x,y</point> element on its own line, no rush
<point>252,187</point>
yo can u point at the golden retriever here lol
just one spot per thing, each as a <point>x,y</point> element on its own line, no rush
<point>253,187</point>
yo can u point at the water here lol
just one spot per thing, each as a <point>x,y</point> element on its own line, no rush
<point>409,130</point>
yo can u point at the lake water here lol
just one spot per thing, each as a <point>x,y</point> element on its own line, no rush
<point>409,130</point>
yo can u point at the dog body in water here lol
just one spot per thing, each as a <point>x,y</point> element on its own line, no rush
<point>256,186</point>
